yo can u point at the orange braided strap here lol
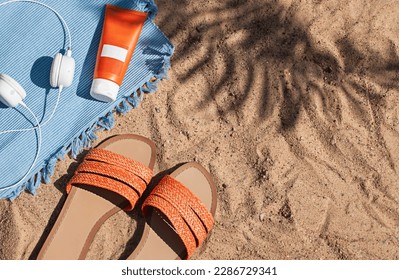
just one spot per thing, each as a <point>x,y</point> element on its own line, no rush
<point>177,222</point>
<point>114,172</point>
<point>105,183</point>
<point>172,194</point>
<point>128,164</point>
<point>187,214</point>
<point>168,185</point>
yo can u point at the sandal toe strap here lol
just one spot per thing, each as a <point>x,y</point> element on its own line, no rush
<point>186,213</point>
<point>114,172</point>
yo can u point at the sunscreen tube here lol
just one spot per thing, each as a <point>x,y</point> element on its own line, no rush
<point>119,38</point>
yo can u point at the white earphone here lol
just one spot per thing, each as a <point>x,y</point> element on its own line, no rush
<point>62,73</point>
<point>11,92</point>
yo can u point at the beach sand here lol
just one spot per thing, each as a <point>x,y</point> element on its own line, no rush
<point>292,107</point>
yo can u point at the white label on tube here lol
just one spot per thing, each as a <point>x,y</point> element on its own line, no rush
<point>114,52</point>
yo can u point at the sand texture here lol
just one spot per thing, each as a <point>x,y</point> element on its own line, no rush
<point>293,108</point>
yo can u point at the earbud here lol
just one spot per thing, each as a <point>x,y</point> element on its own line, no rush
<point>11,92</point>
<point>62,70</point>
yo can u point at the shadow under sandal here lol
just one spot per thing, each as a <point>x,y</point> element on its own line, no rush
<point>179,212</point>
<point>111,177</point>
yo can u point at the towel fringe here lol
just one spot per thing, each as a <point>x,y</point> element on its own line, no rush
<point>107,122</point>
<point>123,107</point>
<point>147,6</point>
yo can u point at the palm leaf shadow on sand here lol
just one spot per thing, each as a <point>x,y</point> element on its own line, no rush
<point>259,56</point>
<point>263,43</point>
<point>263,40</point>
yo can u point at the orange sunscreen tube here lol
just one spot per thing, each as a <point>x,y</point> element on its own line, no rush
<point>119,38</point>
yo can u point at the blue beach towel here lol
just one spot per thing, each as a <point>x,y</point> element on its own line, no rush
<point>30,35</point>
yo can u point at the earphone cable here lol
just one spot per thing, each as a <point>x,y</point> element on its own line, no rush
<point>41,124</point>
<point>68,32</point>
<point>39,144</point>
<point>65,25</point>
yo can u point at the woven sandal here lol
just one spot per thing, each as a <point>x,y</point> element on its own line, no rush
<point>179,213</point>
<point>111,177</point>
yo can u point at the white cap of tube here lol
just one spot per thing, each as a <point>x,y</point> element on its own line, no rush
<point>104,90</point>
